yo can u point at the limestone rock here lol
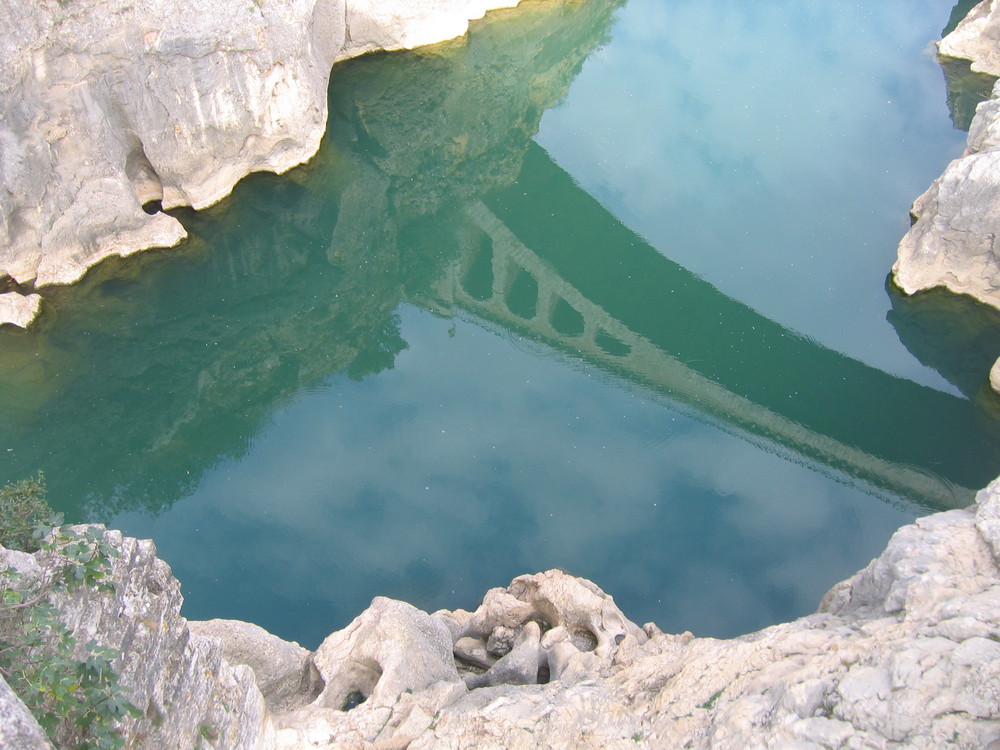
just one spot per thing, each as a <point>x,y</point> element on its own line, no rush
<point>473,651</point>
<point>977,38</point>
<point>283,670</point>
<point>952,243</point>
<point>18,309</point>
<point>906,653</point>
<point>405,24</point>
<point>18,728</point>
<point>519,666</point>
<point>995,376</point>
<point>110,107</point>
<point>178,680</point>
<point>391,648</point>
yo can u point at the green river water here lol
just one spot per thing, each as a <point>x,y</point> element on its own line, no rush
<point>601,287</point>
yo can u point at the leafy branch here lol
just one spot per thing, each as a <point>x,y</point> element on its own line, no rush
<point>73,691</point>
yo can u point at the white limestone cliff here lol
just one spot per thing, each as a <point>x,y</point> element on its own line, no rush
<point>109,106</point>
<point>953,241</point>
<point>906,653</point>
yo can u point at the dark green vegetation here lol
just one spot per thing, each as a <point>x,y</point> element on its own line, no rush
<point>71,687</point>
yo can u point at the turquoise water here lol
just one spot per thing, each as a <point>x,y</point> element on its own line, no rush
<point>601,288</point>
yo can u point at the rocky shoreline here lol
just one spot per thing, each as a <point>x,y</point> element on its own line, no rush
<point>906,653</point>
<point>952,241</point>
<point>112,111</point>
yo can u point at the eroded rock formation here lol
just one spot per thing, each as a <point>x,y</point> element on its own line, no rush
<point>952,243</point>
<point>179,680</point>
<point>904,654</point>
<point>108,108</point>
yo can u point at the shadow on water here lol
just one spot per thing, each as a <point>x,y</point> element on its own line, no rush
<point>430,190</point>
<point>953,334</point>
<point>966,90</point>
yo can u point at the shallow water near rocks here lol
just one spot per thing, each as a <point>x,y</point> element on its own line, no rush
<point>602,287</point>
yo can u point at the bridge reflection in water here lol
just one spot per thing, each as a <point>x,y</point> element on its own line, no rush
<point>552,264</point>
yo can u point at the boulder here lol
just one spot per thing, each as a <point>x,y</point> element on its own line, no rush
<point>18,309</point>
<point>283,670</point>
<point>389,649</point>
<point>520,664</point>
<point>976,38</point>
<point>952,242</point>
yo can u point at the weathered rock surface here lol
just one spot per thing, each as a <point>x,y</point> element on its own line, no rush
<point>180,681</point>
<point>109,106</point>
<point>18,309</point>
<point>904,654</point>
<point>952,243</point>
<point>18,728</point>
<point>283,671</point>
<point>977,38</point>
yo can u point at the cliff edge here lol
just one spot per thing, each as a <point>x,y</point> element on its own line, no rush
<point>904,654</point>
<point>953,240</point>
<point>111,111</point>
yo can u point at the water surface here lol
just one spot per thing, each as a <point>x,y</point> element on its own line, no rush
<point>600,288</point>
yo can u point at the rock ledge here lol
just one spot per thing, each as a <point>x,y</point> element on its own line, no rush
<point>904,654</point>
<point>112,110</point>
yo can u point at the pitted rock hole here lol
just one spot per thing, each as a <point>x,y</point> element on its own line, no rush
<point>146,183</point>
<point>584,640</point>
<point>357,683</point>
<point>354,699</point>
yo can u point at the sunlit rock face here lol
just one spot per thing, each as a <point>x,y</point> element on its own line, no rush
<point>977,38</point>
<point>18,309</point>
<point>179,681</point>
<point>111,107</point>
<point>952,243</point>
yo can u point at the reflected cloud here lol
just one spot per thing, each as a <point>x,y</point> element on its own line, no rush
<point>814,128</point>
<point>429,361</point>
<point>476,501</point>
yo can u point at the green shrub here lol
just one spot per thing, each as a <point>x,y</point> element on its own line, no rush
<point>73,692</point>
<point>22,508</point>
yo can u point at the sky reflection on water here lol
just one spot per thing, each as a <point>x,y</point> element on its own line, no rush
<point>422,484</point>
<point>771,148</point>
<point>303,412</point>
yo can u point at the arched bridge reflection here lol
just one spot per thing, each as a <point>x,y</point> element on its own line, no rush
<point>550,262</point>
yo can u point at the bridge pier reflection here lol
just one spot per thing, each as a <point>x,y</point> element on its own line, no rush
<point>549,262</point>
